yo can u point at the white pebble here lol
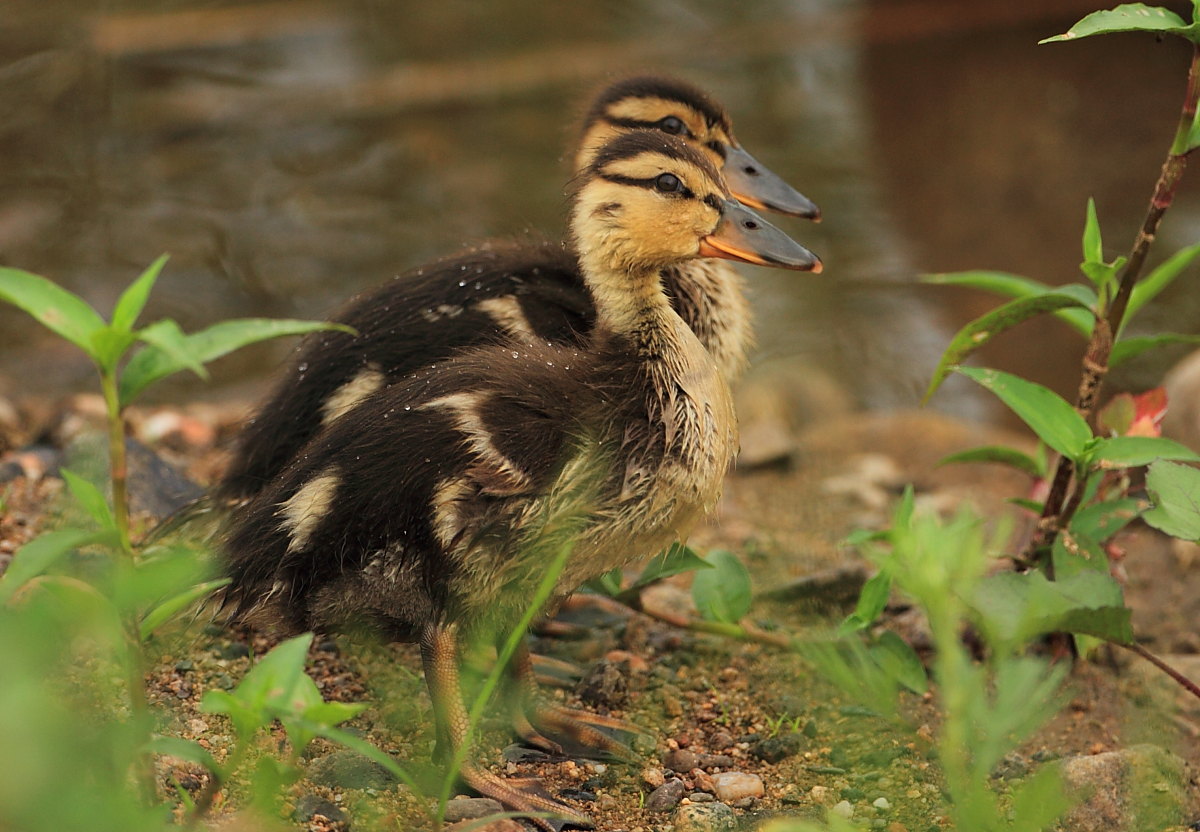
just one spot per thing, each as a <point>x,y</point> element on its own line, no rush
<point>882,803</point>
<point>843,808</point>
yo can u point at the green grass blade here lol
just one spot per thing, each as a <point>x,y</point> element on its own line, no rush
<point>981,330</point>
<point>62,312</point>
<point>133,299</point>
<point>1049,415</point>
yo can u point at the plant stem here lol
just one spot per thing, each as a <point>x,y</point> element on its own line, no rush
<point>1057,511</point>
<point>116,458</point>
<point>1184,682</point>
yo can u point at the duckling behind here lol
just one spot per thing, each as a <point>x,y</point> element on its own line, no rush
<point>426,511</point>
<point>523,290</point>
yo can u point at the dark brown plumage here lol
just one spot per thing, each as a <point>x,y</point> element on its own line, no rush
<point>428,510</point>
<point>526,289</point>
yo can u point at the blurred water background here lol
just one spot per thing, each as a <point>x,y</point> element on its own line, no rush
<point>288,154</point>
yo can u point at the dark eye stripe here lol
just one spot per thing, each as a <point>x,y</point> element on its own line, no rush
<point>635,124</point>
<point>650,184</point>
<point>713,201</point>
<point>717,147</point>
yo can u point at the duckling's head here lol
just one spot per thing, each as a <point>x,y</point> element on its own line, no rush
<point>677,108</point>
<point>649,200</point>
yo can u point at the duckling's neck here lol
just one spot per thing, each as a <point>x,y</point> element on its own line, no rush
<point>629,304</point>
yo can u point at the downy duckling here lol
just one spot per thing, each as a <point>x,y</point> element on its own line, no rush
<point>429,511</point>
<point>511,289</point>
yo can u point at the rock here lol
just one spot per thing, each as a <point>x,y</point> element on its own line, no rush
<point>605,685</point>
<point>1141,787</point>
<point>730,786</point>
<point>1011,767</point>
<point>774,749</point>
<point>666,796</point>
<point>653,777</point>
<point>1182,420</point>
<point>502,825</point>
<point>704,817</point>
<point>882,804</point>
<point>701,797</point>
<point>720,740</point>
<point>310,805</point>
<point>841,584</point>
<point>349,770</point>
<point>471,808</point>
<point>681,760</point>
<point>843,808</point>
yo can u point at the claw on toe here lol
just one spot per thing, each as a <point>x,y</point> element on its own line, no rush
<point>582,734</point>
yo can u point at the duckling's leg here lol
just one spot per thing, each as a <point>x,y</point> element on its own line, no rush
<point>440,654</point>
<point>583,733</point>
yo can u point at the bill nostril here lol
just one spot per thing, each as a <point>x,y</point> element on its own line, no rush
<point>750,169</point>
<point>750,225</point>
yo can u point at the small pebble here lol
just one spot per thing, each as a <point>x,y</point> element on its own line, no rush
<point>666,796</point>
<point>680,760</point>
<point>730,786</point>
<point>471,808</point>
<point>720,740</point>
<point>882,803</point>
<point>744,803</point>
<point>701,797</point>
<point>653,777</point>
<point>843,808</point>
<point>705,817</point>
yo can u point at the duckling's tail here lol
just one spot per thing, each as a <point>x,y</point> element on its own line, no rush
<point>205,508</point>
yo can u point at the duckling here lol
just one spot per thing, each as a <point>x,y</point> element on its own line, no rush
<point>505,289</point>
<point>428,511</point>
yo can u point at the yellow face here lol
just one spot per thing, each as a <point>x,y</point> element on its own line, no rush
<point>647,210</point>
<point>663,114</point>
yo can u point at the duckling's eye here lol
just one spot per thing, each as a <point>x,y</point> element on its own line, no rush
<point>671,125</point>
<point>668,183</point>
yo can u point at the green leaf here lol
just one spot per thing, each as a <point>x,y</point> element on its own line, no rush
<point>674,560</point>
<point>872,600</point>
<point>1093,244</point>
<point>1100,521</point>
<point>608,583</point>
<point>91,498</point>
<point>186,750</point>
<point>166,336</point>
<point>109,345</point>
<point>64,313</point>
<point>1129,17</point>
<point>1175,491</point>
<point>981,330</point>
<point>152,363</point>
<point>133,300</point>
<point>1049,415</point>
<point>41,553</point>
<point>1152,284</point>
<point>1128,348</point>
<point>723,592</point>
<point>1038,801</point>
<point>898,659</point>
<point>169,608</point>
<point>998,454</point>
<point>1015,608</point>
<point>1132,451</point>
<point>1013,286</point>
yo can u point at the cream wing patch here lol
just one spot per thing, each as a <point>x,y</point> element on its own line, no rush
<point>305,509</point>
<point>351,393</point>
<point>506,311</point>
<point>491,464</point>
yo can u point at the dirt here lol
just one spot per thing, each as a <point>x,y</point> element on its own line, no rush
<point>736,705</point>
